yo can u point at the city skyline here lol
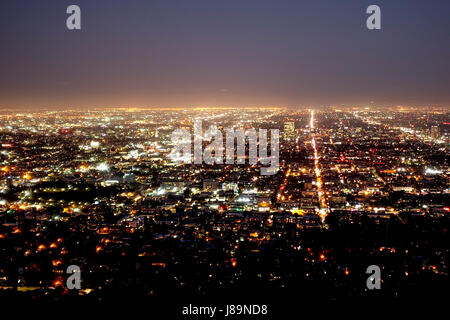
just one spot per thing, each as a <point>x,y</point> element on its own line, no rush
<point>353,191</point>
<point>215,159</point>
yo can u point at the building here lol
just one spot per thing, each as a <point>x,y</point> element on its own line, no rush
<point>289,130</point>
<point>435,134</point>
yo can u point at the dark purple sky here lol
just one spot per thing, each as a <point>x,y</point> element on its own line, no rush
<point>224,52</point>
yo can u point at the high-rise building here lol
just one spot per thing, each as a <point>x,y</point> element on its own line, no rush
<point>435,134</point>
<point>289,130</point>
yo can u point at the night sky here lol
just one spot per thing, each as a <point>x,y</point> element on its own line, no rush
<point>224,53</point>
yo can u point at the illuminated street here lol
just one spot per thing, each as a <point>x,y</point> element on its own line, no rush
<point>323,208</point>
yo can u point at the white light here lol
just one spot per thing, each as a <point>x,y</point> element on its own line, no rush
<point>102,166</point>
<point>243,199</point>
<point>134,154</point>
<point>432,171</point>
